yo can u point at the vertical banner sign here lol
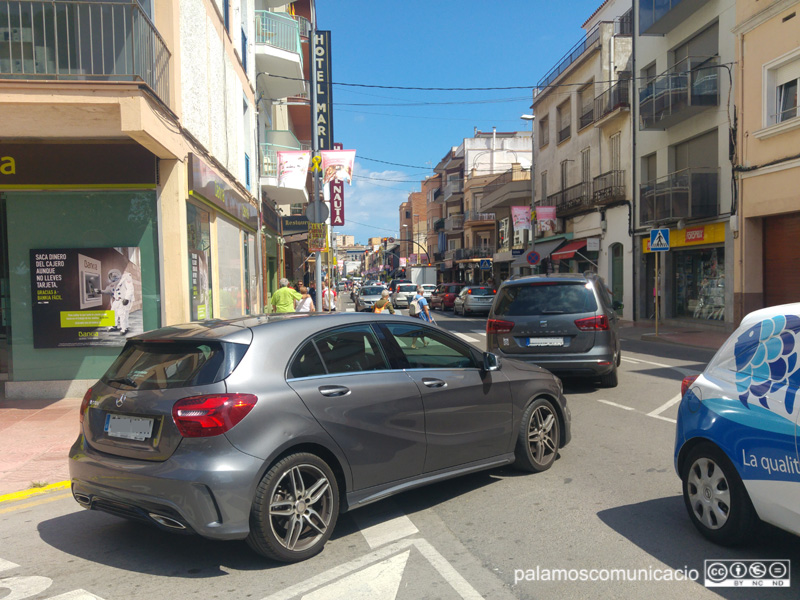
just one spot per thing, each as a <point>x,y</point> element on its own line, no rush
<point>337,203</point>
<point>322,64</point>
<point>318,237</point>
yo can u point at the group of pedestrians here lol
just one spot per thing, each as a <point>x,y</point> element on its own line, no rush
<point>302,300</point>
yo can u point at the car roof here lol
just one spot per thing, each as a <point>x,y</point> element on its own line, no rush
<point>566,277</point>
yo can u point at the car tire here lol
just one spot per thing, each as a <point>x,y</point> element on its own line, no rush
<point>305,485</point>
<point>610,380</point>
<point>715,497</point>
<point>539,437</point>
<point>619,357</point>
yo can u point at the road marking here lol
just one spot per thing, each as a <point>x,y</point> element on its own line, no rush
<point>34,503</point>
<point>381,580</point>
<point>466,337</point>
<point>649,362</point>
<point>33,491</point>
<point>350,310</point>
<point>385,531</point>
<point>665,406</point>
<point>615,404</point>
<point>6,565</point>
<point>667,419</point>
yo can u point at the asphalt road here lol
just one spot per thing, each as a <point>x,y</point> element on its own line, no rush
<point>610,502</point>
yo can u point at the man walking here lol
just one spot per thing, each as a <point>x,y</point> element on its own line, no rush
<point>283,300</point>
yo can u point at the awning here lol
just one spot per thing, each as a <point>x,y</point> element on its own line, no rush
<point>569,250</point>
<point>542,248</point>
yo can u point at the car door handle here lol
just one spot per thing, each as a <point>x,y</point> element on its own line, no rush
<point>334,390</point>
<point>434,383</point>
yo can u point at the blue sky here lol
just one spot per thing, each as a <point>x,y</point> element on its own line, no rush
<point>432,43</point>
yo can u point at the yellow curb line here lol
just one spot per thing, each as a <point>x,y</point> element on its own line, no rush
<point>31,504</point>
<point>33,492</point>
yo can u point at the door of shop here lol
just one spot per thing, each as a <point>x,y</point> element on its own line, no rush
<point>781,257</point>
<point>5,323</point>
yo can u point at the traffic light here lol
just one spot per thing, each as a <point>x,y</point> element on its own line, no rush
<point>385,243</point>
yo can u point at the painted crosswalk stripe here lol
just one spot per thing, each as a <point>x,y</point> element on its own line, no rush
<point>623,407</point>
<point>384,531</point>
<point>466,338</point>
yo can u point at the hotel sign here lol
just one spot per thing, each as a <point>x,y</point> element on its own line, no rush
<point>322,68</point>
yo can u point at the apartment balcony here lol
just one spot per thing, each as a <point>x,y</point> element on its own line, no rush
<point>278,141</point>
<point>438,225</point>
<point>691,193</point>
<point>659,17</point>
<point>453,190</point>
<point>478,219</point>
<point>689,87</point>
<point>573,200</point>
<point>508,189</point>
<point>589,42</point>
<point>96,41</point>
<point>613,102</point>
<point>451,254</point>
<point>279,54</point>
<point>474,252</point>
<point>438,195</point>
<point>587,117</point>
<point>454,223</point>
<point>608,188</point>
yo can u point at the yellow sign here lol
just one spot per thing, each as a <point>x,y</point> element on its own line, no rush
<point>87,318</point>
<point>713,233</point>
<point>318,237</point>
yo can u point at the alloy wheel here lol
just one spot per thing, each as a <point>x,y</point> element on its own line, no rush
<point>541,436</point>
<point>301,507</point>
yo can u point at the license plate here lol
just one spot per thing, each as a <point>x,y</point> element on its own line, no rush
<point>543,341</point>
<point>129,428</point>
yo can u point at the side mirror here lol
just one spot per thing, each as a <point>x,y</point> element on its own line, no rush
<point>617,305</point>
<point>491,362</point>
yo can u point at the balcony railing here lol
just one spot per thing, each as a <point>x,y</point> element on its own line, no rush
<point>587,117</point>
<point>278,30</point>
<point>269,152</point>
<point>477,217</point>
<point>608,188</point>
<point>453,187</point>
<point>437,194</point>
<point>661,16</point>
<point>450,254</point>
<point>572,200</point>
<point>615,97</point>
<point>454,223</point>
<point>304,26</point>
<point>102,41</point>
<point>589,41</point>
<point>624,24</point>
<point>564,133</point>
<point>475,252</point>
<point>438,225</point>
<point>692,85</point>
<point>691,193</point>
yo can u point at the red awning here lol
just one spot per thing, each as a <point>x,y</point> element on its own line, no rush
<point>569,250</point>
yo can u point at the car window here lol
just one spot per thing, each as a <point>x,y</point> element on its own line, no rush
<point>307,363</point>
<point>434,350</point>
<point>545,299</point>
<point>481,292</point>
<point>407,288</point>
<point>371,291</point>
<point>350,350</point>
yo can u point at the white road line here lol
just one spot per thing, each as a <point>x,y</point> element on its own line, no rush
<point>5,565</point>
<point>350,310</point>
<point>667,419</point>
<point>615,404</point>
<point>466,337</point>
<point>665,406</point>
<point>385,531</point>
<point>633,360</point>
<point>649,362</point>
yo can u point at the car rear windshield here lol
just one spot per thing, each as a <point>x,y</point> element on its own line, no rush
<point>545,299</point>
<point>371,291</point>
<point>482,291</point>
<point>166,365</point>
<point>406,288</point>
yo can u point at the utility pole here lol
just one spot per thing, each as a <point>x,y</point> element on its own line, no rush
<point>315,153</point>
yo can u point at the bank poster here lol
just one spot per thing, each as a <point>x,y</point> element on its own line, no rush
<point>85,296</point>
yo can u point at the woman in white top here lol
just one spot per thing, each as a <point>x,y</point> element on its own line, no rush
<point>306,304</point>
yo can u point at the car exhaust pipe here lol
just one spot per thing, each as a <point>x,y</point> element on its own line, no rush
<point>83,500</point>
<point>166,521</point>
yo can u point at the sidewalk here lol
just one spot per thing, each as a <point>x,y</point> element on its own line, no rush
<point>37,434</point>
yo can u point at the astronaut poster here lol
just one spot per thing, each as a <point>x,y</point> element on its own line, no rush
<point>85,296</point>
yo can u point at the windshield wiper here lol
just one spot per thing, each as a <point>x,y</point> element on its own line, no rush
<point>124,380</point>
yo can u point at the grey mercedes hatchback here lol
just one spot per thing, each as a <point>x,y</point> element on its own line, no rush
<point>564,322</point>
<point>266,428</point>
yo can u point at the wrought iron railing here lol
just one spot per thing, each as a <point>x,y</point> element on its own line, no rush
<point>617,96</point>
<point>278,30</point>
<point>571,200</point>
<point>438,225</point>
<point>624,24</point>
<point>472,216</point>
<point>102,41</point>
<point>475,252</point>
<point>691,193</point>
<point>304,26</point>
<point>564,133</point>
<point>608,187</point>
<point>590,40</point>
<point>587,117</point>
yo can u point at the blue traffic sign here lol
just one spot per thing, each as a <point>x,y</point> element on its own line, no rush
<point>533,257</point>
<point>517,251</point>
<point>486,264</point>
<point>659,240</point>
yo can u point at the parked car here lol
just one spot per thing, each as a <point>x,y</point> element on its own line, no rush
<point>444,295</point>
<point>736,437</point>
<point>266,428</point>
<point>566,323</point>
<point>474,299</point>
<point>401,295</point>
<point>367,296</point>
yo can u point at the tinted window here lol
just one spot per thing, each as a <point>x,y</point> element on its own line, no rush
<point>406,288</point>
<point>165,365</point>
<point>433,349</point>
<point>350,350</point>
<point>307,363</point>
<point>545,299</point>
<point>371,291</point>
<point>481,291</point>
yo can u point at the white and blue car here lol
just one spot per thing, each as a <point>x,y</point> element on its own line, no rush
<point>736,443</point>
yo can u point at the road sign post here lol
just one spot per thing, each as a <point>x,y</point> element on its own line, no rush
<point>659,242</point>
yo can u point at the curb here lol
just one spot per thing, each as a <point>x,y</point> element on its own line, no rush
<point>652,337</point>
<point>24,494</point>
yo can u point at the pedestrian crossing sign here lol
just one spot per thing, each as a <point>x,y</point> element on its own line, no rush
<point>659,240</point>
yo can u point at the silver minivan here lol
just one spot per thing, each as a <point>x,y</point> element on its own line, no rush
<point>565,322</point>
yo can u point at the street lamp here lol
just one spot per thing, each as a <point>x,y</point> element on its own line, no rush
<point>533,185</point>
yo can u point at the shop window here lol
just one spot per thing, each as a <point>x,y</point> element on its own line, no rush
<point>231,263</point>
<point>699,277</point>
<point>199,239</point>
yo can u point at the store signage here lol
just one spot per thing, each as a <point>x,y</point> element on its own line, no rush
<point>85,296</point>
<point>209,185</point>
<point>593,244</point>
<point>322,68</point>
<point>713,233</point>
<point>337,203</point>
<point>294,224</point>
<point>111,163</point>
<point>318,237</point>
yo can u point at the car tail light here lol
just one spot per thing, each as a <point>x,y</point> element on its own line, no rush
<point>214,414</point>
<point>686,384</point>
<point>499,326</point>
<point>85,404</point>
<point>598,323</point>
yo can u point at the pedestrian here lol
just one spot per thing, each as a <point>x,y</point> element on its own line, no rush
<point>383,304</point>
<point>306,305</point>
<point>284,298</point>
<point>312,291</point>
<point>423,312</point>
<point>328,298</point>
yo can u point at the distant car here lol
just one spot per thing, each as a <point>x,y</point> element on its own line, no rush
<point>367,296</point>
<point>401,294</point>
<point>566,323</point>
<point>394,283</point>
<point>736,437</point>
<point>266,428</point>
<point>474,299</point>
<point>444,296</point>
